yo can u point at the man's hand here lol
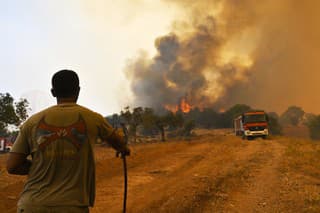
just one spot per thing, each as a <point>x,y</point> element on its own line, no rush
<point>126,152</point>
<point>123,153</point>
<point>18,164</point>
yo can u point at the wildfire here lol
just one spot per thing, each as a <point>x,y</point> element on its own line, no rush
<point>183,106</point>
<point>222,110</point>
<point>171,108</point>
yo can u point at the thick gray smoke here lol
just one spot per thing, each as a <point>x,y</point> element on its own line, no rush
<point>263,54</point>
<point>181,69</point>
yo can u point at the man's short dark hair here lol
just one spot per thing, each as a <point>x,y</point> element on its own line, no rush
<point>65,83</point>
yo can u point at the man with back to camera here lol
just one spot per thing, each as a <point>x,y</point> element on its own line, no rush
<point>61,175</point>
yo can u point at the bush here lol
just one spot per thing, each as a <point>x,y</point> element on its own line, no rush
<point>314,127</point>
<point>274,125</point>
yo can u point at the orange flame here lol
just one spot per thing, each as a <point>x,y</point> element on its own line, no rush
<point>171,108</point>
<point>183,106</point>
<point>221,110</point>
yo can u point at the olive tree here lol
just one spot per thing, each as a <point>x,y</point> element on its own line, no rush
<point>12,112</point>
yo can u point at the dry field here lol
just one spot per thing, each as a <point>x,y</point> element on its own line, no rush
<point>212,172</point>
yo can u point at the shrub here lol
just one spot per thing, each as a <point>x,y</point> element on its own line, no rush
<point>314,127</point>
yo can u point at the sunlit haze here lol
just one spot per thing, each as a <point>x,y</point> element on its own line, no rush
<point>95,38</point>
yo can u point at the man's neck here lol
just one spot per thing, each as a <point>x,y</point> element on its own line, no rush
<point>66,100</point>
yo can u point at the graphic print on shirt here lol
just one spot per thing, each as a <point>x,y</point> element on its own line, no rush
<point>61,142</point>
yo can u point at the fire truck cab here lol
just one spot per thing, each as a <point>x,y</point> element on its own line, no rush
<point>5,145</point>
<point>2,144</point>
<point>252,124</point>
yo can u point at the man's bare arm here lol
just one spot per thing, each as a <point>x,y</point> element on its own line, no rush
<point>18,164</point>
<point>118,143</point>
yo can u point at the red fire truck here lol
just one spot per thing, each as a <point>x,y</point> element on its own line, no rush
<point>5,145</point>
<point>252,124</point>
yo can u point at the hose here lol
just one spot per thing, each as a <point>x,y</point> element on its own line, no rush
<point>125,183</point>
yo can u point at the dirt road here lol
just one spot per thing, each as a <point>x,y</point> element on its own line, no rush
<point>210,173</point>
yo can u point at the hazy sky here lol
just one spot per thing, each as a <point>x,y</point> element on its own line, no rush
<point>95,38</point>
<point>154,52</point>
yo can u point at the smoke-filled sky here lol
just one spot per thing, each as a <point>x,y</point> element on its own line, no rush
<point>155,52</point>
<point>224,52</point>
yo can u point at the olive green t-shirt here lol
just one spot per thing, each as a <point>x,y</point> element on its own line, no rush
<point>60,140</point>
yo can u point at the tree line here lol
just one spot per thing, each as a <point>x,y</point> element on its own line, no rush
<point>147,121</point>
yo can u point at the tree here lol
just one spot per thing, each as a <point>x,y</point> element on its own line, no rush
<point>161,123</point>
<point>174,120</point>
<point>149,119</point>
<point>206,118</point>
<point>307,118</point>
<point>188,127</point>
<point>133,119</point>
<point>292,116</point>
<point>274,115</point>
<point>168,121</point>
<point>11,112</point>
<point>274,125</point>
<point>194,114</point>
<point>209,118</point>
<point>114,120</point>
<point>314,127</point>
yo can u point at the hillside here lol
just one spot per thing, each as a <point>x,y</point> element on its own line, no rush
<point>212,172</point>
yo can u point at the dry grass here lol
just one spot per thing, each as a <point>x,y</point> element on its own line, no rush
<point>302,172</point>
<point>301,131</point>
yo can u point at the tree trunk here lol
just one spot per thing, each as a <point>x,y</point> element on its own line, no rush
<point>163,139</point>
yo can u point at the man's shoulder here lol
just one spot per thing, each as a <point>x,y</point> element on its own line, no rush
<point>88,111</point>
<point>35,118</point>
<point>85,112</point>
<point>39,115</point>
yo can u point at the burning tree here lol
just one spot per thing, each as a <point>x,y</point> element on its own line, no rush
<point>182,106</point>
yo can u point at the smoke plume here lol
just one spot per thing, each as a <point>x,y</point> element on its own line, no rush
<point>260,53</point>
